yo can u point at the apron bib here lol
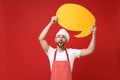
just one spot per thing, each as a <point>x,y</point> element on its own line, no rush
<point>61,69</point>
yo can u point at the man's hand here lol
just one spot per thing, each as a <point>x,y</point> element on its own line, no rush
<point>54,19</point>
<point>93,29</point>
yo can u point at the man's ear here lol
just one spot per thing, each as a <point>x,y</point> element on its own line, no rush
<point>66,41</point>
<point>55,39</point>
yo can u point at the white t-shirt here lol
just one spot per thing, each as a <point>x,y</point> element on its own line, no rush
<point>61,56</point>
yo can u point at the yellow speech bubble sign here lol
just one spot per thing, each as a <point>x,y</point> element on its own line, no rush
<point>75,17</point>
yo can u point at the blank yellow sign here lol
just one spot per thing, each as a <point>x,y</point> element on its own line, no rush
<point>75,17</point>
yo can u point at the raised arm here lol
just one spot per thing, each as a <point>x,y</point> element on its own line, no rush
<point>91,46</point>
<point>43,34</point>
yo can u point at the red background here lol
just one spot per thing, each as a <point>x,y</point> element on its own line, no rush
<point>21,56</point>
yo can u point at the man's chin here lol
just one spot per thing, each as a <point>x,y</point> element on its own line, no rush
<point>60,45</point>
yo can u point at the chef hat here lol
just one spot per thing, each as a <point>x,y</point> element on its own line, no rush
<point>63,32</point>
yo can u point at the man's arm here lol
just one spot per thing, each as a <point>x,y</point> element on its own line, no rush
<point>43,34</point>
<point>91,46</point>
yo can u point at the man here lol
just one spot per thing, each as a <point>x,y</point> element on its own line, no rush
<point>61,58</point>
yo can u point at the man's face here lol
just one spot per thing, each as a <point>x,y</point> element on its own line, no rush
<point>60,40</point>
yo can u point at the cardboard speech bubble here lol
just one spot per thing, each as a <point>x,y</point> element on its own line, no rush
<point>75,17</point>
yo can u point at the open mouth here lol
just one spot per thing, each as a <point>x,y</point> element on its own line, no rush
<point>60,43</point>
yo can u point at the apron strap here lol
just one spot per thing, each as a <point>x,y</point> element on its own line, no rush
<point>55,54</point>
<point>67,54</point>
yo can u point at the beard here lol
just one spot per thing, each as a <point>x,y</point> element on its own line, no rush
<point>60,43</point>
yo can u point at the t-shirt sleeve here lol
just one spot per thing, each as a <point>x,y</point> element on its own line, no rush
<point>77,53</point>
<point>50,50</point>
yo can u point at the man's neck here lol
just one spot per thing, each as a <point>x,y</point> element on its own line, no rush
<point>60,49</point>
